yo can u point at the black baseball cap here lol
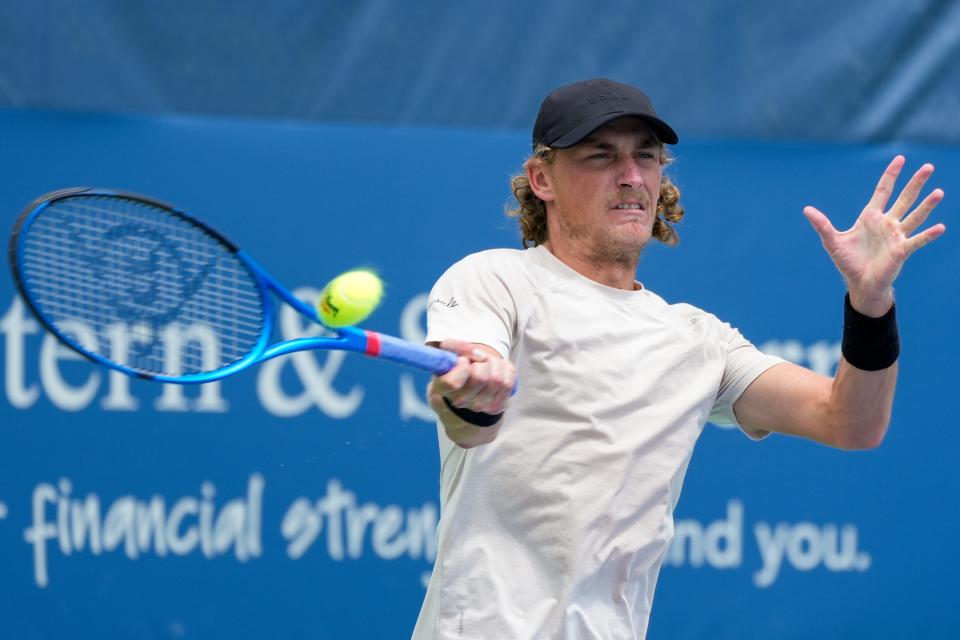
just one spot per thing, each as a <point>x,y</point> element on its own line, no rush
<point>572,112</point>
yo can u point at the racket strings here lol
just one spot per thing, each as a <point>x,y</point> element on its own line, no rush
<point>139,285</point>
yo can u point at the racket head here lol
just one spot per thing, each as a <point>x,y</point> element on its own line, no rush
<point>140,286</point>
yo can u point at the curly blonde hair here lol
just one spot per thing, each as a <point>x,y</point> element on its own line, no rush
<point>532,211</point>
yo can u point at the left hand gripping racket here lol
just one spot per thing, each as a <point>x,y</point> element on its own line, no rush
<point>138,286</point>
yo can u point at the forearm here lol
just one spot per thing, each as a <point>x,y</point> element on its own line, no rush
<point>849,411</point>
<point>461,432</point>
<point>858,410</point>
<point>861,396</point>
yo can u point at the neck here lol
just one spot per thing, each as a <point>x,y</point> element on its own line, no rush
<point>618,272</point>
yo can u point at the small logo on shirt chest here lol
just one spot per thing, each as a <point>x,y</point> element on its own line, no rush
<point>451,302</point>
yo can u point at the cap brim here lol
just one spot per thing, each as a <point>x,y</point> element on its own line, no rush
<point>576,135</point>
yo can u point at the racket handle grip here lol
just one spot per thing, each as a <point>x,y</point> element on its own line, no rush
<point>435,361</point>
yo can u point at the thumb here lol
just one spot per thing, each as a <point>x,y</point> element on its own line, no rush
<point>821,224</point>
<point>450,381</point>
<point>464,349</point>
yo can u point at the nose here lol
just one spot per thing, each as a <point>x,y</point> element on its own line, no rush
<point>630,175</point>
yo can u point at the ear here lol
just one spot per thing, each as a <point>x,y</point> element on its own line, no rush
<point>541,182</point>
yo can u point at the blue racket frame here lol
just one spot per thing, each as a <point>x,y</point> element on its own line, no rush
<point>353,339</point>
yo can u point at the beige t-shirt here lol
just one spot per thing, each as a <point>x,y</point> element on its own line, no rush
<point>557,529</point>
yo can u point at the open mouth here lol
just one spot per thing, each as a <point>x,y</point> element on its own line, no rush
<point>629,210</point>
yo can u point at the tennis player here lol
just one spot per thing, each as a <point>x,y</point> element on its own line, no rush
<point>556,510</point>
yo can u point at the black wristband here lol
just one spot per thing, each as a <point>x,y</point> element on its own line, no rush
<point>870,344</point>
<point>476,418</point>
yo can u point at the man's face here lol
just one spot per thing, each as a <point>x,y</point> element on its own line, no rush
<point>602,194</point>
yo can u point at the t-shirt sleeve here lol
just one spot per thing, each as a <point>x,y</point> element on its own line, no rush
<point>472,301</point>
<point>744,363</point>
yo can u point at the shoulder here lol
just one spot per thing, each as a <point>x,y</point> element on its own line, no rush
<point>507,265</point>
<point>701,321</point>
<point>691,313</point>
<point>493,259</point>
<point>678,312</point>
<point>709,324</point>
<point>511,277</point>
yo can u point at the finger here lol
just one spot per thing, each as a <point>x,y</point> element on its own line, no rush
<point>459,347</point>
<point>919,215</point>
<point>452,380</point>
<point>484,398</point>
<point>821,224</point>
<point>506,389</point>
<point>497,392</point>
<point>910,192</point>
<point>888,180</point>
<point>464,348</point>
<point>479,355</point>
<point>925,237</point>
<point>466,396</point>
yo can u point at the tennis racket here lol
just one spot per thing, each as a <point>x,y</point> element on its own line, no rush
<point>143,288</point>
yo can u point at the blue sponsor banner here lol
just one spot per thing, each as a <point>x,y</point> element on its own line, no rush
<point>299,498</point>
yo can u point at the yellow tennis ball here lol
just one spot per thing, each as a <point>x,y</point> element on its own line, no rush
<point>349,298</point>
